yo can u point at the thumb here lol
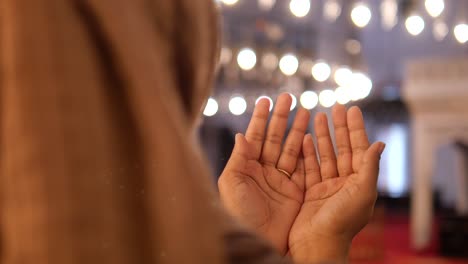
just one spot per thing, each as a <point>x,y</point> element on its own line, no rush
<point>240,154</point>
<point>369,170</point>
<point>241,146</point>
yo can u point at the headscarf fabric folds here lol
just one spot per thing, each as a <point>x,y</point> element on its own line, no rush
<point>98,100</point>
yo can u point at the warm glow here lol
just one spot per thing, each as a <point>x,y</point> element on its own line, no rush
<point>225,56</point>
<point>289,64</point>
<point>440,30</point>
<point>266,97</point>
<point>353,46</point>
<point>270,61</point>
<point>331,10</point>
<point>435,7</point>
<point>327,98</point>
<point>309,100</point>
<point>361,15</point>
<point>321,71</point>
<point>299,8</point>
<point>266,5</point>
<point>230,2</point>
<point>461,33</point>
<point>246,59</point>
<point>306,66</point>
<point>389,13</point>
<point>237,105</point>
<point>211,107</point>
<point>415,25</point>
<point>343,76</point>
<point>342,95</point>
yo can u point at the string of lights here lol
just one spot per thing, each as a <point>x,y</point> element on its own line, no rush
<point>351,85</point>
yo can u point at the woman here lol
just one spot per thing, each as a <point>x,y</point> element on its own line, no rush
<point>98,160</point>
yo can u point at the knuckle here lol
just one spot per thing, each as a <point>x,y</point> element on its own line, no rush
<point>274,139</point>
<point>291,151</point>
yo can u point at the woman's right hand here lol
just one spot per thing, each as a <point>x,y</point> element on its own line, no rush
<point>251,186</point>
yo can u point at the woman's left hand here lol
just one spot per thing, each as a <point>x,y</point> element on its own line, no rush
<point>263,182</point>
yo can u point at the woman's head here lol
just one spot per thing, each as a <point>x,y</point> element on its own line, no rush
<point>98,99</point>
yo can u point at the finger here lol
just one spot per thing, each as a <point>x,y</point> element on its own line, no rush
<point>276,129</point>
<point>255,134</point>
<point>298,176</point>
<point>325,148</point>
<point>240,154</point>
<point>369,170</point>
<point>357,135</point>
<point>343,143</point>
<point>311,165</point>
<point>293,145</point>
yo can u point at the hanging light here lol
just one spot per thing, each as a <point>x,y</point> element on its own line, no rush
<point>266,5</point>
<point>289,64</point>
<point>309,100</point>
<point>439,30</point>
<point>299,8</point>
<point>342,95</point>
<point>327,98</point>
<point>434,7</point>
<point>389,12</point>
<point>230,2</point>
<point>331,10</point>
<point>294,102</point>
<point>461,33</point>
<point>321,71</point>
<point>360,86</point>
<point>266,97</point>
<point>211,107</point>
<point>343,76</point>
<point>414,24</point>
<point>237,105</point>
<point>246,59</point>
<point>361,15</point>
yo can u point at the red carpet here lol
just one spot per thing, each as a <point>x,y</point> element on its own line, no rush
<point>386,240</point>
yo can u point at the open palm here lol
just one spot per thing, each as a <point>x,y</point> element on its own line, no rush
<point>251,186</point>
<point>340,190</point>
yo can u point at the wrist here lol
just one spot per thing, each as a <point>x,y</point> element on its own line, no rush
<point>321,250</point>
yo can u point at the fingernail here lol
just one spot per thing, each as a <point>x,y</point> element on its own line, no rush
<point>236,138</point>
<point>382,148</point>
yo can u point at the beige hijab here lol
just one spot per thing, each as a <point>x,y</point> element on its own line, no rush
<point>98,99</point>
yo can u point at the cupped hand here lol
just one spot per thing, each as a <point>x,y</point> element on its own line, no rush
<point>340,190</point>
<point>251,186</point>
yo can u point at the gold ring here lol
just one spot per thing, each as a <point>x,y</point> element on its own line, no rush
<point>285,173</point>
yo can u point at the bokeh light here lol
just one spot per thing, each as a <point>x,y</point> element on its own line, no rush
<point>299,8</point>
<point>414,24</point>
<point>247,59</point>
<point>461,33</point>
<point>434,7</point>
<point>342,95</point>
<point>309,100</point>
<point>211,107</point>
<point>294,102</point>
<point>321,71</point>
<point>361,15</point>
<point>266,97</point>
<point>237,105</point>
<point>289,64</point>
<point>327,98</point>
<point>343,76</point>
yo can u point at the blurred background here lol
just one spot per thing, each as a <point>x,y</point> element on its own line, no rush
<point>404,62</point>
